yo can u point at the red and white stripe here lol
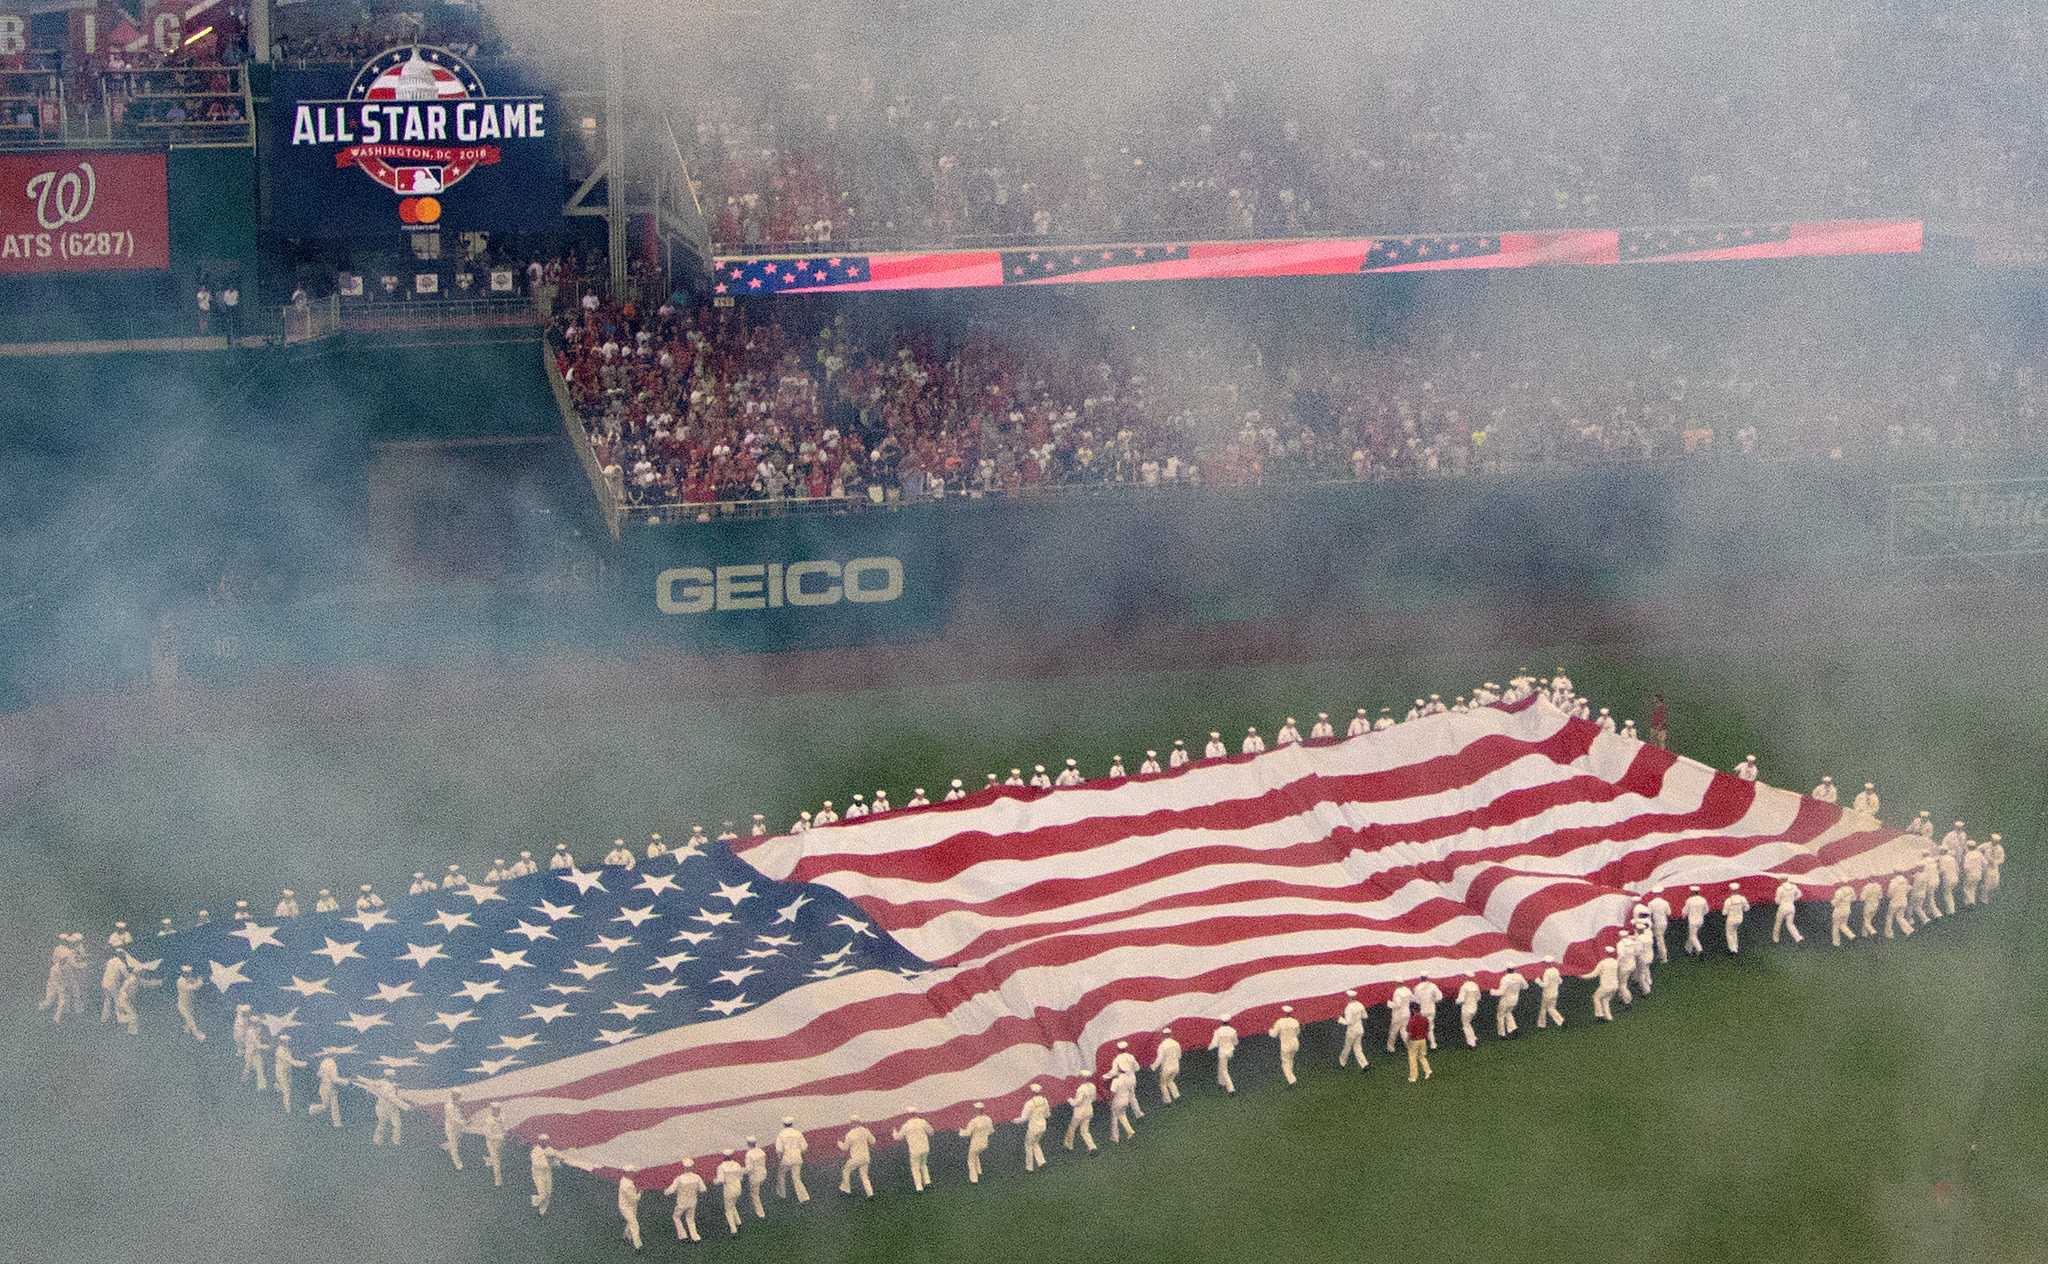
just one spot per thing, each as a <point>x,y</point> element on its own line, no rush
<point>1062,921</point>
<point>385,86</point>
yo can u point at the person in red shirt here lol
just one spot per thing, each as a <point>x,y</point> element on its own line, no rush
<point>1658,720</point>
<point>1418,1045</point>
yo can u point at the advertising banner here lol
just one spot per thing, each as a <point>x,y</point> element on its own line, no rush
<point>793,583</point>
<point>1107,564</point>
<point>1995,518</point>
<point>80,211</point>
<point>411,138</point>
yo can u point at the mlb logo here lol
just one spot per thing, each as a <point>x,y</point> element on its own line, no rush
<point>418,180</point>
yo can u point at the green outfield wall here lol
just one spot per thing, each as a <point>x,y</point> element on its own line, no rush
<point>210,200</point>
<point>1117,560</point>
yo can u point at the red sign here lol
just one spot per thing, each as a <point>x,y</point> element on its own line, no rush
<point>80,211</point>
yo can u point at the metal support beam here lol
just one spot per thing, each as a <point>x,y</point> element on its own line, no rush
<point>615,144</point>
<point>680,212</point>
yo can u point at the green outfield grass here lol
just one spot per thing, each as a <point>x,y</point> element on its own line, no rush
<point>1884,1103</point>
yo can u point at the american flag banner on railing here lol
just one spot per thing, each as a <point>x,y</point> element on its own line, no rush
<point>1041,263</point>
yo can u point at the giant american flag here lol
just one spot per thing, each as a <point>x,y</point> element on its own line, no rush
<point>933,957</point>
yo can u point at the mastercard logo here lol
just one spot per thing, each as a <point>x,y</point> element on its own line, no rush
<point>419,210</point>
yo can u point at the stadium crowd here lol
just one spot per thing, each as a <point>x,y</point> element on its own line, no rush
<point>796,400</point>
<point>127,100</point>
<point>138,84</point>
<point>319,39</point>
<point>1914,109</point>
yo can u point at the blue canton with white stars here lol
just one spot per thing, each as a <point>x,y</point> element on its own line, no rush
<point>773,276</point>
<point>450,986</point>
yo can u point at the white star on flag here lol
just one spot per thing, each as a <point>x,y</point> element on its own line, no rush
<point>692,937</point>
<point>558,912</point>
<point>629,1012</point>
<point>737,977</point>
<point>727,1008</point>
<point>369,918</point>
<point>431,1049</point>
<point>508,960</point>
<point>725,891</point>
<point>656,883</point>
<point>257,935</point>
<point>609,944</point>
<point>448,921</point>
<point>278,1022</point>
<point>661,989</point>
<point>452,1021</point>
<point>710,918</point>
<point>788,912</point>
<point>338,953</point>
<point>362,1022</point>
<point>389,992</point>
<point>421,954</point>
<point>669,963</point>
<point>306,987</point>
<point>225,977</point>
<point>607,1036</point>
<point>491,1066</point>
<point>549,1013</point>
<point>480,893</point>
<point>478,991</point>
<point>853,924</point>
<point>636,916</point>
<point>394,1062</point>
<point>531,931</point>
<point>583,882</point>
<point>587,970</point>
<point>515,1043</point>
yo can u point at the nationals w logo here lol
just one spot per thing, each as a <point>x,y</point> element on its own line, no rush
<point>65,199</point>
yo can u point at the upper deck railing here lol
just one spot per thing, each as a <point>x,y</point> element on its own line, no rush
<point>164,107</point>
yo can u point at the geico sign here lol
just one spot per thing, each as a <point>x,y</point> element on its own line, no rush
<point>772,585</point>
